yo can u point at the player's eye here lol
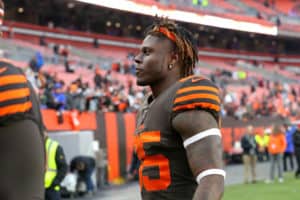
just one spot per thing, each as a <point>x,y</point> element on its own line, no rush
<point>146,51</point>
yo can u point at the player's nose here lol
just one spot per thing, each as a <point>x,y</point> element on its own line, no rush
<point>137,59</point>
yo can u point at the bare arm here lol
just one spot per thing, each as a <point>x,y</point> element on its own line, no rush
<point>202,154</point>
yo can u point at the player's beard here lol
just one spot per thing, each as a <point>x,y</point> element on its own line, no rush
<point>146,81</point>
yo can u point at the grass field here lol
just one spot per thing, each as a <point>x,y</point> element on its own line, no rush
<point>288,190</point>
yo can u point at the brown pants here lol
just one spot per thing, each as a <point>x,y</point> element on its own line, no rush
<point>250,167</point>
<point>22,162</point>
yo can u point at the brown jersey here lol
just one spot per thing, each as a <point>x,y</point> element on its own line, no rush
<point>164,170</point>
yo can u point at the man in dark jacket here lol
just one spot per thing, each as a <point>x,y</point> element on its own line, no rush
<point>289,151</point>
<point>249,154</point>
<point>84,166</point>
<point>296,140</point>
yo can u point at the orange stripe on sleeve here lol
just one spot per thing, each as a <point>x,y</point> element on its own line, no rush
<point>12,79</point>
<point>199,104</point>
<point>197,88</point>
<point>150,136</point>
<point>16,108</point>
<point>3,69</point>
<point>14,94</point>
<point>197,96</point>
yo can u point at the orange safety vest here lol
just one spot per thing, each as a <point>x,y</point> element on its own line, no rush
<point>277,143</point>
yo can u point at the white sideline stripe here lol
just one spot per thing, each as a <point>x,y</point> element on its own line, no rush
<point>208,172</point>
<point>201,135</point>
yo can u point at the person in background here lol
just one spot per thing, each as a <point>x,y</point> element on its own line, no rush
<point>276,147</point>
<point>296,141</point>
<point>98,79</point>
<point>84,166</point>
<point>60,101</point>
<point>133,173</point>
<point>56,169</point>
<point>289,151</point>
<point>95,43</point>
<point>101,167</point>
<point>249,146</point>
<point>262,141</point>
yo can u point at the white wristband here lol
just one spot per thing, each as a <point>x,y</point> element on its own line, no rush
<point>208,172</point>
<point>201,135</point>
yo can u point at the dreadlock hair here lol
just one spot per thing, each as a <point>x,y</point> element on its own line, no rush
<point>182,39</point>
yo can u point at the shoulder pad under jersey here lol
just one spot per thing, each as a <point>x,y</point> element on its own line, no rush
<point>196,93</point>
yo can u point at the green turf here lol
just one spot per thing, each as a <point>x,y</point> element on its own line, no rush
<point>288,190</point>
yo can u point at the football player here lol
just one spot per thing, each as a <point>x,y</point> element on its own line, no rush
<point>21,135</point>
<point>178,138</point>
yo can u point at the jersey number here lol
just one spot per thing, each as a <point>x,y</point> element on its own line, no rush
<point>157,160</point>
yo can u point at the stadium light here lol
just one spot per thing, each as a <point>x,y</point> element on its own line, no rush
<point>20,10</point>
<point>184,16</point>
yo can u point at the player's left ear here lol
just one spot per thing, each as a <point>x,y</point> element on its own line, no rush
<point>174,60</point>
